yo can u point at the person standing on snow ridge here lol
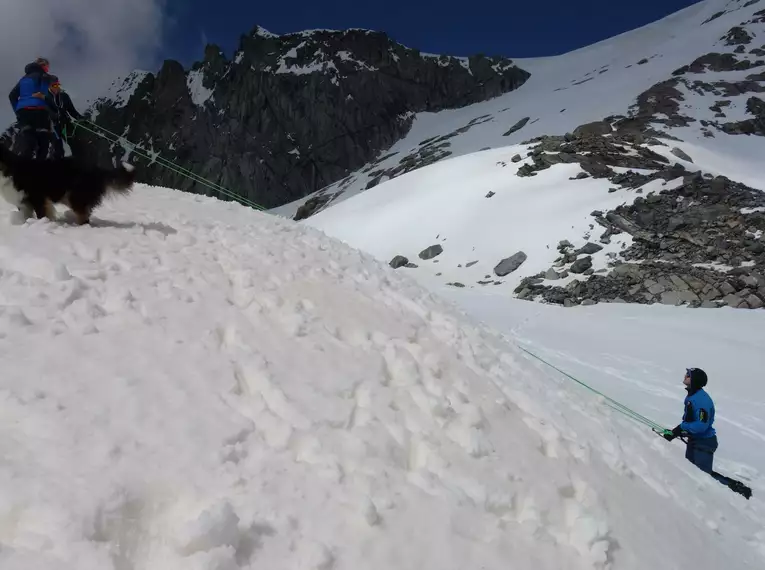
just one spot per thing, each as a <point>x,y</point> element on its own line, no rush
<point>698,417</point>
<point>32,111</point>
<point>63,113</point>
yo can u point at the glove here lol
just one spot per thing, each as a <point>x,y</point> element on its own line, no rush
<point>676,432</point>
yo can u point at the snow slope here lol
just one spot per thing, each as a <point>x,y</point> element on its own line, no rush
<point>446,204</point>
<point>590,84</point>
<point>190,384</point>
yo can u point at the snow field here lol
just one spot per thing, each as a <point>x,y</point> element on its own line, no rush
<point>190,384</point>
<point>446,204</point>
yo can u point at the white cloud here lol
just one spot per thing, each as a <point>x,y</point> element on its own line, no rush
<point>88,42</point>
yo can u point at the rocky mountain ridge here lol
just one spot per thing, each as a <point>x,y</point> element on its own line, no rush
<point>289,114</point>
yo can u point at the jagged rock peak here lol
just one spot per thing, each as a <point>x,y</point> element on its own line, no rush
<point>352,49</point>
<point>290,114</point>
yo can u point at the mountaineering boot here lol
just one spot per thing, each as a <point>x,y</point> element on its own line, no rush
<point>740,488</point>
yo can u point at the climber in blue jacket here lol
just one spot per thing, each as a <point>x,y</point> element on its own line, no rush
<point>698,430</point>
<point>697,421</point>
<point>32,111</point>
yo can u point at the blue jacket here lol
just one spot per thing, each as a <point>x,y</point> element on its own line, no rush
<point>34,81</point>
<point>699,415</point>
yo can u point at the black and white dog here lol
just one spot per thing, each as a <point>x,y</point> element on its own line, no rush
<point>33,186</point>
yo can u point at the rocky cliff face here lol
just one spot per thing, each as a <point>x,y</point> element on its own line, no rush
<point>289,114</point>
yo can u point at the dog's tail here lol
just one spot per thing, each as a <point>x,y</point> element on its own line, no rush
<point>121,179</point>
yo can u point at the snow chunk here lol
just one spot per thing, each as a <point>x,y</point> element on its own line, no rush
<point>443,60</point>
<point>260,31</point>
<point>293,52</point>
<point>321,63</point>
<point>347,56</point>
<point>122,89</point>
<point>199,93</point>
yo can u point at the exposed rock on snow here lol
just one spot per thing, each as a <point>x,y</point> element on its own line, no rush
<point>517,126</point>
<point>431,252</point>
<point>589,248</point>
<point>716,62</point>
<point>398,261</point>
<point>552,275</point>
<point>312,205</point>
<point>737,36</point>
<point>595,154</point>
<point>650,282</point>
<point>596,128</point>
<point>679,153</point>
<point>581,265</point>
<point>510,264</point>
<point>680,236</point>
<point>754,106</point>
<point>714,16</point>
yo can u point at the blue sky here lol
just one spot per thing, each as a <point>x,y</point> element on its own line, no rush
<point>513,28</point>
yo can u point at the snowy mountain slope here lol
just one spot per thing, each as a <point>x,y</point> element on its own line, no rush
<point>693,239</point>
<point>705,246</point>
<point>588,85</point>
<point>446,204</point>
<point>191,384</point>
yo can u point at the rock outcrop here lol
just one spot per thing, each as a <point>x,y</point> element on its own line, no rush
<point>755,126</point>
<point>431,252</point>
<point>699,244</point>
<point>510,264</point>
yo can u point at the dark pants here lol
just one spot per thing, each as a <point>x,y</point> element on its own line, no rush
<point>34,133</point>
<point>701,453</point>
<point>58,143</point>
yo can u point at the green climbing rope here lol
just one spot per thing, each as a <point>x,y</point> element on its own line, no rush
<point>173,167</point>
<point>619,407</point>
<point>114,137</point>
<point>155,157</point>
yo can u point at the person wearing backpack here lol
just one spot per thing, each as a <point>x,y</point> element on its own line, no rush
<point>28,99</point>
